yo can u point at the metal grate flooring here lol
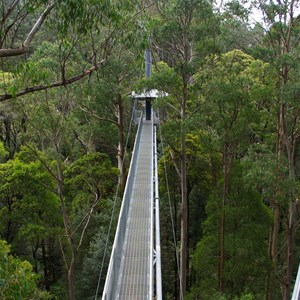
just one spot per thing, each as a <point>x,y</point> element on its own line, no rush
<point>133,281</point>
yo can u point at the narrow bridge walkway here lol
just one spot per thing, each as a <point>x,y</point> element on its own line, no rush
<point>136,261</point>
<point>130,273</point>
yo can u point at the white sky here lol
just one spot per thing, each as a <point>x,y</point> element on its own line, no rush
<point>257,15</point>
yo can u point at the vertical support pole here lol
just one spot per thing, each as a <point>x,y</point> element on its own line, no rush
<point>148,65</point>
<point>148,110</point>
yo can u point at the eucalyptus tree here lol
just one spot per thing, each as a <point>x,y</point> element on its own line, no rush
<point>280,47</point>
<point>69,41</point>
<point>89,26</point>
<point>76,181</point>
<point>96,30</point>
<point>17,278</point>
<point>54,135</point>
<point>247,264</point>
<point>107,98</point>
<point>29,26</point>
<point>199,173</point>
<point>230,92</point>
<point>184,33</point>
<point>80,180</point>
<point>15,39</point>
<point>30,213</point>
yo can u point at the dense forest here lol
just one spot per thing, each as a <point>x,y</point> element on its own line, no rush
<point>229,151</point>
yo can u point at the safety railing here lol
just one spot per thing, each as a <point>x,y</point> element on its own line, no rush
<point>151,221</point>
<point>157,224</point>
<point>116,254</point>
<point>296,292</point>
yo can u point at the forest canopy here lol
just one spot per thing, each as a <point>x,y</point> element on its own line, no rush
<point>228,143</point>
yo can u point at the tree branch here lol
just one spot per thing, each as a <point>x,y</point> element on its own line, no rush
<point>37,88</point>
<point>9,11</point>
<point>63,254</point>
<point>25,47</point>
<point>88,215</point>
<point>172,150</point>
<point>89,110</point>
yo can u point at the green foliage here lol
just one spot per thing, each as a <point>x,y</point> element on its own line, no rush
<point>17,280</point>
<point>164,78</point>
<point>248,296</point>
<point>91,266</point>
<point>89,175</point>
<point>3,153</point>
<point>28,205</point>
<point>185,24</point>
<point>268,174</point>
<point>232,89</point>
<point>237,9</point>
<point>229,93</point>
<point>6,81</point>
<point>247,224</point>
<point>232,103</point>
<point>45,64</point>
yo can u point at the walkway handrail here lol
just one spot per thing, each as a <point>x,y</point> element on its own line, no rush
<point>296,292</point>
<point>115,259</point>
<point>151,294</point>
<point>157,224</point>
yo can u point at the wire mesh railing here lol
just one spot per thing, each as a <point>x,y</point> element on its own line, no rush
<point>116,254</point>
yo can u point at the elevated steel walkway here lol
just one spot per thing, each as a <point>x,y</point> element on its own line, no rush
<point>136,261</point>
<point>131,268</point>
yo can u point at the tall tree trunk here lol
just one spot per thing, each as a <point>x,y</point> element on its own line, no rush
<point>52,269</point>
<point>34,251</point>
<point>274,231</point>
<point>289,252</point>
<point>223,216</point>
<point>290,145</point>
<point>67,227</point>
<point>121,146</point>
<point>184,197</point>
<point>268,293</point>
<point>290,234</point>
<point>45,263</point>
<point>176,282</point>
<point>273,250</point>
<point>9,229</point>
<point>71,275</point>
<point>7,124</point>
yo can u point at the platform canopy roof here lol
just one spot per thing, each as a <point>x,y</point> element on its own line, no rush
<point>146,95</point>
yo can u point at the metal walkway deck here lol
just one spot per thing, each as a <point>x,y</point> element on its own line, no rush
<point>133,281</point>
